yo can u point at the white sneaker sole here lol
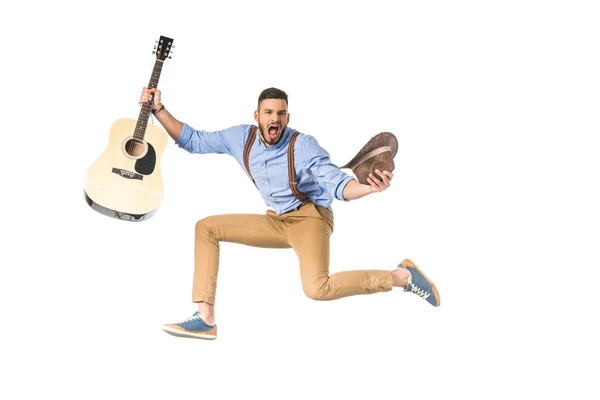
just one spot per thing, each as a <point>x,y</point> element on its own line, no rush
<point>176,332</point>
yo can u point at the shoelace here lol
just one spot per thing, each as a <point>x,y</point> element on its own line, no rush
<point>190,319</point>
<point>420,292</point>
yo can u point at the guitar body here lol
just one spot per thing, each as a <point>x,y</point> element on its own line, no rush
<point>125,182</point>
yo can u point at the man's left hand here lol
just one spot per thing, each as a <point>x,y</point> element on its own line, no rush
<point>380,183</point>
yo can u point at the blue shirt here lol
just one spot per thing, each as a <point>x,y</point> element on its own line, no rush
<point>318,178</point>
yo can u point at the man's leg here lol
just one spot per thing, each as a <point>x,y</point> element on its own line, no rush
<point>310,239</point>
<point>249,229</point>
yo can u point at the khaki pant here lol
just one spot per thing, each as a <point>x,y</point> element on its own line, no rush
<point>306,230</point>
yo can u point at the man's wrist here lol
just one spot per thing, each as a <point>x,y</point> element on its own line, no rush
<point>158,109</point>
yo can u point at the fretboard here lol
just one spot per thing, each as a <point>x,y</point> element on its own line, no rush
<point>142,121</point>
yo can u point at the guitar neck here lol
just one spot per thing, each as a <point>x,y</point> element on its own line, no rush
<point>162,51</point>
<point>146,109</point>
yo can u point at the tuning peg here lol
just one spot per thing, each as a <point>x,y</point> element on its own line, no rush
<point>169,57</point>
<point>172,46</point>
<point>153,52</point>
<point>155,47</point>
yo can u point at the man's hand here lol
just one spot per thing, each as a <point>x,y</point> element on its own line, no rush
<point>379,185</point>
<point>355,190</point>
<point>146,96</point>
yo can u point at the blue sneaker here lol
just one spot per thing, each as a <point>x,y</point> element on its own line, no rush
<point>193,327</point>
<point>419,284</point>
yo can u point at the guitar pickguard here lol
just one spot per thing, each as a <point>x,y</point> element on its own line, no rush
<point>146,164</point>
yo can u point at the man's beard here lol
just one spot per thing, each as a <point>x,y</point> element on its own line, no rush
<point>266,138</point>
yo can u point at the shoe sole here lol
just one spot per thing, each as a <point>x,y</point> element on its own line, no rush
<point>188,334</point>
<point>435,292</point>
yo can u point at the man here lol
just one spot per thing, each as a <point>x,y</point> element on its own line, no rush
<point>301,218</point>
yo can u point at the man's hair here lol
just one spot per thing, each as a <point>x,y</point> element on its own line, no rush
<point>272,93</point>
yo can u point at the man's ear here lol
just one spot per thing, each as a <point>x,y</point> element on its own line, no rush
<point>288,119</point>
<point>256,115</point>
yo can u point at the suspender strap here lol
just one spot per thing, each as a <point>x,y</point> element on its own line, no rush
<point>292,170</point>
<point>247,148</point>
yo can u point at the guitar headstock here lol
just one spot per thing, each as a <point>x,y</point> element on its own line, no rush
<point>163,48</point>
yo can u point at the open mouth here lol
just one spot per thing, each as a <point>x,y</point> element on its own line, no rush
<point>273,131</point>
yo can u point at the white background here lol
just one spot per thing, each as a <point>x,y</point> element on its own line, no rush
<point>495,195</point>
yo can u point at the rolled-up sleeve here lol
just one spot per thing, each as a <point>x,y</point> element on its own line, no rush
<point>203,142</point>
<point>328,175</point>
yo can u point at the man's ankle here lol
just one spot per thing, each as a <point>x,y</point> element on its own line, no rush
<point>400,277</point>
<point>207,313</point>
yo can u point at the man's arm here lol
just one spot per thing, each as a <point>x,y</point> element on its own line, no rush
<point>194,141</point>
<point>355,190</point>
<point>340,185</point>
<point>168,121</point>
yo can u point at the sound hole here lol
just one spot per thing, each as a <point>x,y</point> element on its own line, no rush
<point>135,147</point>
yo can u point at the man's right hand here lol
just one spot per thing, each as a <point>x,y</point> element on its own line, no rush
<point>147,96</point>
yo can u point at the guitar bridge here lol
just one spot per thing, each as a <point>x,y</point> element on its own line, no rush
<point>127,174</point>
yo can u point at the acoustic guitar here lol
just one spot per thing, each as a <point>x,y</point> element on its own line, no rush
<point>125,182</point>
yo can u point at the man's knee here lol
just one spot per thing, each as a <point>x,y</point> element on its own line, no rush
<point>204,227</point>
<point>201,226</point>
<point>315,290</point>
